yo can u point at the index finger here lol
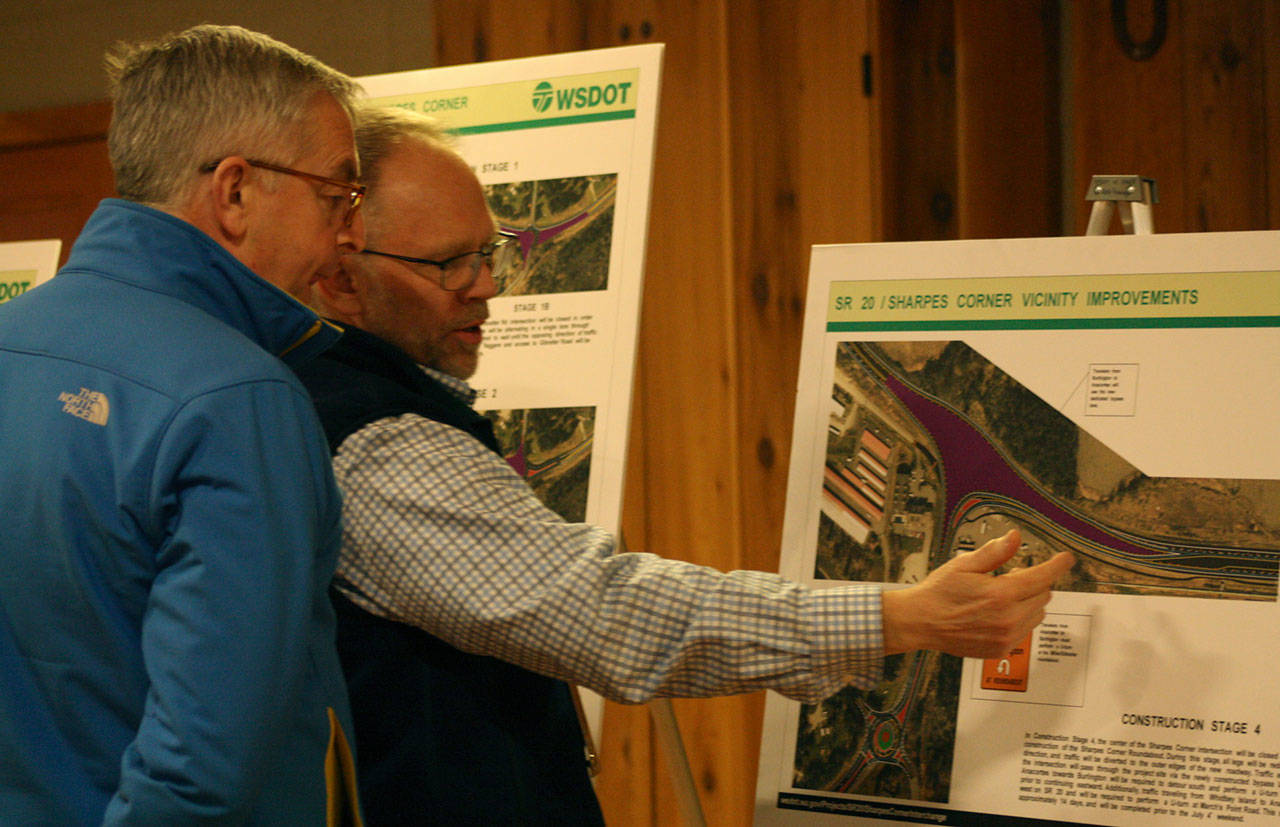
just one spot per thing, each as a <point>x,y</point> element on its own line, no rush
<point>1040,577</point>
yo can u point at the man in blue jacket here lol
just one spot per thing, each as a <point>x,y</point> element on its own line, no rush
<point>166,642</point>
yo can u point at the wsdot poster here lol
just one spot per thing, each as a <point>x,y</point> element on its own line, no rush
<point>1110,396</point>
<point>25,264</point>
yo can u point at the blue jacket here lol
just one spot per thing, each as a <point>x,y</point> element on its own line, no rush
<point>171,525</point>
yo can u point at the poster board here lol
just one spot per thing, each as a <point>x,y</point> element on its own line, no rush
<point>563,145</point>
<point>1114,396</point>
<point>25,264</point>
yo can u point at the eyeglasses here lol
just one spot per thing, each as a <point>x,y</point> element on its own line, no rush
<point>351,200</point>
<point>459,272</point>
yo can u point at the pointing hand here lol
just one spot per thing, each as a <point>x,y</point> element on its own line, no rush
<point>963,609</point>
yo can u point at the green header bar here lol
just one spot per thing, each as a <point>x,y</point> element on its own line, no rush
<point>1248,299</point>
<point>529,104</point>
<point>14,283</point>
<point>567,120</point>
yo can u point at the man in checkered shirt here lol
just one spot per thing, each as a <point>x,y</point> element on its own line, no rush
<point>465,604</point>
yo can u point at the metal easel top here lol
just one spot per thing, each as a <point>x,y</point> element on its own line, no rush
<point>1132,194</point>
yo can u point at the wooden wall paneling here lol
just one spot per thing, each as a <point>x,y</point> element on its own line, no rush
<point>768,260</point>
<point>1127,114</point>
<point>1225,115</point>
<point>875,119</point>
<point>690,400</point>
<point>1007,144</point>
<point>802,160</point>
<point>470,31</point>
<point>687,333</point>
<point>832,136</point>
<point>918,120</point>
<point>62,124</point>
<point>1271,58</point>
<point>1196,116</point>
<point>69,140</point>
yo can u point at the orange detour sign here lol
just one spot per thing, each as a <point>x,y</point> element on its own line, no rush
<point>1008,673</point>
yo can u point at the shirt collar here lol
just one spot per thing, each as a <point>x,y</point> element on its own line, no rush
<point>457,387</point>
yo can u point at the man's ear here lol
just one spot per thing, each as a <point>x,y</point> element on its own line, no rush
<point>231,198</point>
<point>341,294</point>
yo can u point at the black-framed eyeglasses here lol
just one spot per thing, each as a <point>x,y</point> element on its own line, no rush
<point>354,192</point>
<point>461,271</point>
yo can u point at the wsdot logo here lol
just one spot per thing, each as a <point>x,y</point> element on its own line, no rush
<point>580,97</point>
<point>542,97</point>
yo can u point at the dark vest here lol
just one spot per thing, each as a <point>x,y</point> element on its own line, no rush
<point>442,736</point>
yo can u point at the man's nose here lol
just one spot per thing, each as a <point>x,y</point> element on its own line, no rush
<point>486,286</point>
<point>351,236</point>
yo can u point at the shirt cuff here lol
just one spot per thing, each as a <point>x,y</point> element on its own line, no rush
<point>847,637</point>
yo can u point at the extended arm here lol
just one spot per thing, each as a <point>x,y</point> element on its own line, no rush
<point>440,533</point>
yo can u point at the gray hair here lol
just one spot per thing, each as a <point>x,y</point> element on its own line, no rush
<point>195,97</point>
<point>380,129</point>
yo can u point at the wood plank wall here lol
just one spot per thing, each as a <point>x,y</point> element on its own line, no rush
<point>1201,116</point>
<point>53,164</point>
<point>767,143</point>
<point>1008,141</point>
<point>919,177</point>
<point>970,142</point>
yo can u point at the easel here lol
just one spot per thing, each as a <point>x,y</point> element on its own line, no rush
<point>1133,195</point>
<point>669,741</point>
<point>669,744</point>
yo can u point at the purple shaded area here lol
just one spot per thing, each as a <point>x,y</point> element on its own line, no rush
<point>530,237</point>
<point>972,466</point>
<point>518,461</point>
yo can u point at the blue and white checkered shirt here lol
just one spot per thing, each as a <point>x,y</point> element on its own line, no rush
<point>442,534</point>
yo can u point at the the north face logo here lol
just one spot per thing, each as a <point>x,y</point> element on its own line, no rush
<point>87,404</point>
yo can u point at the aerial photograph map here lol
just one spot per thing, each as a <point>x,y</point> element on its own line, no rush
<point>564,227</point>
<point>931,451</point>
<point>551,449</point>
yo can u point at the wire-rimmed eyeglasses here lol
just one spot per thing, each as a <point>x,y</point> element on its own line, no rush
<point>459,272</point>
